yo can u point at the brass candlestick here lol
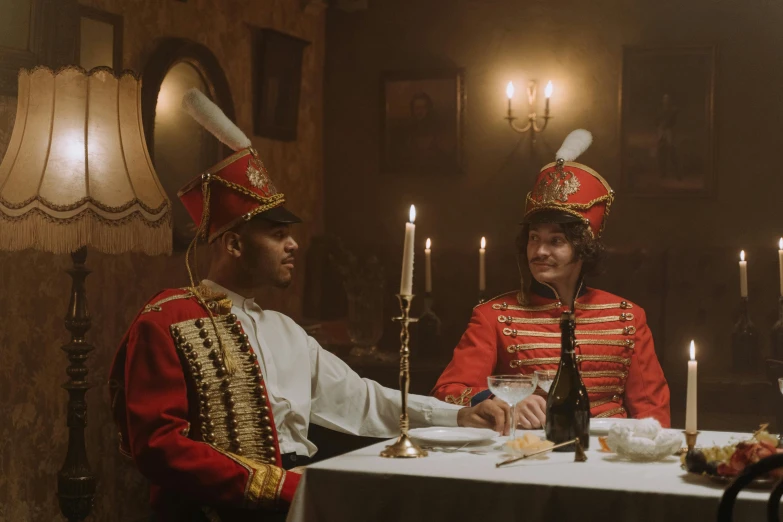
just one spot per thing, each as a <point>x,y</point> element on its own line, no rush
<point>690,439</point>
<point>404,447</point>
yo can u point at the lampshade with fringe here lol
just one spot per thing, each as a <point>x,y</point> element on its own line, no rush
<point>77,174</point>
<point>77,171</point>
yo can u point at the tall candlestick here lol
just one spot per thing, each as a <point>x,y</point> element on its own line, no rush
<point>690,405</point>
<point>482,267</point>
<point>509,94</point>
<point>780,264</point>
<point>743,265</point>
<point>406,282</point>
<point>428,267</point>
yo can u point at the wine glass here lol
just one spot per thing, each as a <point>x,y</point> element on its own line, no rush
<point>545,379</point>
<point>512,389</point>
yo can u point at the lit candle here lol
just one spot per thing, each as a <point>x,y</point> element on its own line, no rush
<point>509,94</point>
<point>690,405</point>
<point>780,263</point>
<point>428,267</point>
<point>482,268</point>
<point>406,283</point>
<point>548,94</point>
<point>743,275</point>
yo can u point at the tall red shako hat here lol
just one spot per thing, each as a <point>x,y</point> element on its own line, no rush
<point>235,190</point>
<point>566,191</point>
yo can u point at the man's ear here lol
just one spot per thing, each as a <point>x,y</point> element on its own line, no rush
<point>232,243</point>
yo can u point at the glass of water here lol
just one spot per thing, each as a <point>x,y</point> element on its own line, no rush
<point>512,389</point>
<point>545,379</point>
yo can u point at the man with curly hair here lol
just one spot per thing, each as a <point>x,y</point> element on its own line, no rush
<point>518,332</point>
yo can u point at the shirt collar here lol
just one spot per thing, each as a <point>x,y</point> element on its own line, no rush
<point>236,299</point>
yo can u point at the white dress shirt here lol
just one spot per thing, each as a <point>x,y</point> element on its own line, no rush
<point>306,383</point>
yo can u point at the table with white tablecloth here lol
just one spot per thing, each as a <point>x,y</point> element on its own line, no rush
<point>466,485</point>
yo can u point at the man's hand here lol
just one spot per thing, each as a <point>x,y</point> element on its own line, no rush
<point>531,413</point>
<point>486,414</point>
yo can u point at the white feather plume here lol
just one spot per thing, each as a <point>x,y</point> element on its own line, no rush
<point>209,115</point>
<point>574,145</point>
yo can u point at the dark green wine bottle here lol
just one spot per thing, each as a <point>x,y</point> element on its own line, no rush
<point>568,407</point>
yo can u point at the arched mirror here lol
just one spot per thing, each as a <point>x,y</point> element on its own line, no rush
<point>180,148</point>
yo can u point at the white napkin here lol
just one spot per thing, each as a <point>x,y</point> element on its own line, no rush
<point>645,441</point>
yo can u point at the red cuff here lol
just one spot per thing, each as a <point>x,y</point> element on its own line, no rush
<point>290,483</point>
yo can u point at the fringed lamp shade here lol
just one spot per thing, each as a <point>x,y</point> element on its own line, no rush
<point>77,172</point>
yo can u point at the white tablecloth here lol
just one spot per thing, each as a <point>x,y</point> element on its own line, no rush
<point>362,486</point>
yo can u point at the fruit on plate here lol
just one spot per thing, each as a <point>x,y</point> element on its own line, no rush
<point>730,461</point>
<point>528,443</point>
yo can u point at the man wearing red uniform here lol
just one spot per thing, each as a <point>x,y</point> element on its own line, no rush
<point>212,394</point>
<point>518,332</point>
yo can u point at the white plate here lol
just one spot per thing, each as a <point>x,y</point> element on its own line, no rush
<point>602,426</point>
<point>452,435</point>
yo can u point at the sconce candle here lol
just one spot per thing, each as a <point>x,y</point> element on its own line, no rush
<point>406,282</point>
<point>548,94</point>
<point>743,266</point>
<point>428,266</point>
<point>509,94</point>
<point>482,267</point>
<point>780,264</point>
<point>690,405</point>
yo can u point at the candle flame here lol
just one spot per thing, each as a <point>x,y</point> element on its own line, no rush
<point>510,90</point>
<point>412,214</point>
<point>780,243</point>
<point>483,242</point>
<point>742,255</point>
<point>548,90</point>
<point>693,351</point>
<point>428,244</point>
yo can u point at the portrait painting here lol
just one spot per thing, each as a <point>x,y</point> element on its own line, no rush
<point>667,120</point>
<point>422,115</point>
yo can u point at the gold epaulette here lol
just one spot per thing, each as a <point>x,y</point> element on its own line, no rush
<point>463,399</point>
<point>217,302</point>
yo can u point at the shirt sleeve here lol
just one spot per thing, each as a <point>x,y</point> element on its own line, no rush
<point>646,390</point>
<point>345,402</point>
<point>474,360</point>
<point>156,423</point>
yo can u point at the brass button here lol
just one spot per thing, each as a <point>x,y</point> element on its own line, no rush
<point>234,433</point>
<point>199,323</point>
<point>175,330</point>
<point>193,356</point>
<point>211,425</point>
<point>238,450</point>
<point>213,354</point>
<point>261,389</point>
<point>254,357</point>
<point>181,339</point>
<point>270,439</point>
<point>233,423</point>
<point>243,338</point>
<point>205,407</point>
<point>208,343</point>
<point>623,305</point>
<point>264,410</point>
<point>225,383</point>
<point>230,402</point>
<point>236,329</point>
<point>266,419</point>
<point>197,365</point>
<point>231,319</point>
<point>205,387</point>
<point>203,333</point>
<point>244,347</point>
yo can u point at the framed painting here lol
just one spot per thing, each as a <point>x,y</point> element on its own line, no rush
<point>422,114</point>
<point>666,107</point>
<point>277,81</point>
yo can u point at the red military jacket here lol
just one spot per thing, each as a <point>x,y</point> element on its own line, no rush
<point>203,435</point>
<point>615,351</point>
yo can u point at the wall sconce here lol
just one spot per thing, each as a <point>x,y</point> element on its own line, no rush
<point>532,94</point>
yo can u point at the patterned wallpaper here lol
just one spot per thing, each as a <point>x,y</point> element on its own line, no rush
<point>34,286</point>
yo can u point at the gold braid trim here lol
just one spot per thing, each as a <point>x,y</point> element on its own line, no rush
<point>513,332</point>
<point>157,305</point>
<point>609,413</point>
<point>607,400</point>
<point>264,481</point>
<point>602,389</point>
<point>461,399</point>
<point>541,308</point>
<point>606,373</point>
<point>626,343</point>
<point>531,346</point>
<point>623,305</point>
<point>516,363</point>
<point>556,320</point>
